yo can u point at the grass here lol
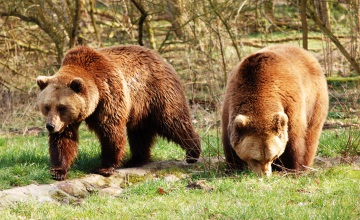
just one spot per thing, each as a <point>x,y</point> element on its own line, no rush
<point>338,142</point>
<point>325,194</point>
<point>25,159</point>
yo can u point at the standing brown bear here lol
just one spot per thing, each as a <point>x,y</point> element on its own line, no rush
<point>275,105</point>
<point>117,91</point>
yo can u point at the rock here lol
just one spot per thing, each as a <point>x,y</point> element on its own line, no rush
<point>111,191</point>
<point>74,188</point>
<point>171,178</point>
<point>200,184</point>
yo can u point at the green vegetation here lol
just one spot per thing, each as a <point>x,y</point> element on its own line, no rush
<point>25,159</point>
<point>324,194</point>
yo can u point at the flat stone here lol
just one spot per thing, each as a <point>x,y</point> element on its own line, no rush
<point>111,191</point>
<point>171,178</point>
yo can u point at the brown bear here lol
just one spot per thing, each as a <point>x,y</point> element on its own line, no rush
<point>118,91</point>
<point>275,105</point>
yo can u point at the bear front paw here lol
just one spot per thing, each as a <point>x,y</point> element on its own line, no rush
<point>58,173</point>
<point>105,171</point>
<point>192,156</point>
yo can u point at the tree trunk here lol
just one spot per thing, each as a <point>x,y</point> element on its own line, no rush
<point>75,24</point>
<point>143,16</point>
<point>304,25</point>
<point>269,11</point>
<point>355,30</point>
<point>150,33</point>
<point>93,21</point>
<point>174,12</point>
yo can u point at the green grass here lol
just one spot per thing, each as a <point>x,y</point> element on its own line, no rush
<point>325,194</point>
<point>338,142</point>
<point>25,159</point>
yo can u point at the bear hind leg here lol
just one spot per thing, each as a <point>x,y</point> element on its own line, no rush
<point>183,134</point>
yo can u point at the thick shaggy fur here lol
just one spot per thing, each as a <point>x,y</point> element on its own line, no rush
<point>277,80</point>
<point>124,91</point>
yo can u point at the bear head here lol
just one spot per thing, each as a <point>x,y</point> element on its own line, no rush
<point>260,142</point>
<point>65,100</point>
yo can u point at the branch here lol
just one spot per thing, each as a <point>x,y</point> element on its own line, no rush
<point>22,17</point>
<point>228,29</point>
<point>14,71</point>
<point>311,13</point>
<point>26,46</point>
<point>59,48</point>
<point>4,82</point>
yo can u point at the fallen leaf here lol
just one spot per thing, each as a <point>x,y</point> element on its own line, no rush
<point>161,191</point>
<point>317,181</point>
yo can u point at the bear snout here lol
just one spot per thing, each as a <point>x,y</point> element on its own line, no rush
<point>50,127</point>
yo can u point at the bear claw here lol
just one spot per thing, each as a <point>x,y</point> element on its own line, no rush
<point>105,171</point>
<point>58,174</point>
<point>192,156</point>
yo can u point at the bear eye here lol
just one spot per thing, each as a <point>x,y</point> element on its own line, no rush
<point>46,108</point>
<point>61,108</point>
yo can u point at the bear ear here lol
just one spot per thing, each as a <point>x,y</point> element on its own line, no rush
<point>241,121</point>
<point>280,121</point>
<point>42,82</point>
<point>77,85</point>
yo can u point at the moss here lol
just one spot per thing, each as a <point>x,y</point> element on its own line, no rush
<point>131,179</point>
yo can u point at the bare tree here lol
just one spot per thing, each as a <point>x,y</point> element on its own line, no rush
<point>59,20</point>
<point>312,14</point>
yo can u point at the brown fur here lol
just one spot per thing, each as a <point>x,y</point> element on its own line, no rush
<point>118,91</point>
<point>277,79</point>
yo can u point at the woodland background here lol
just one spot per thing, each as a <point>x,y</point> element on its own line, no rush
<point>202,39</point>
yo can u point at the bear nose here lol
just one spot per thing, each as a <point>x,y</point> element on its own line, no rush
<point>50,127</point>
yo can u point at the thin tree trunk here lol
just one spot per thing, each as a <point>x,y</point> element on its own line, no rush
<point>304,25</point>
<point>93,21</point>
<point>141,20</point>
<point>150,33</point>
<point>355,29</point>
<point>75,24</point>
